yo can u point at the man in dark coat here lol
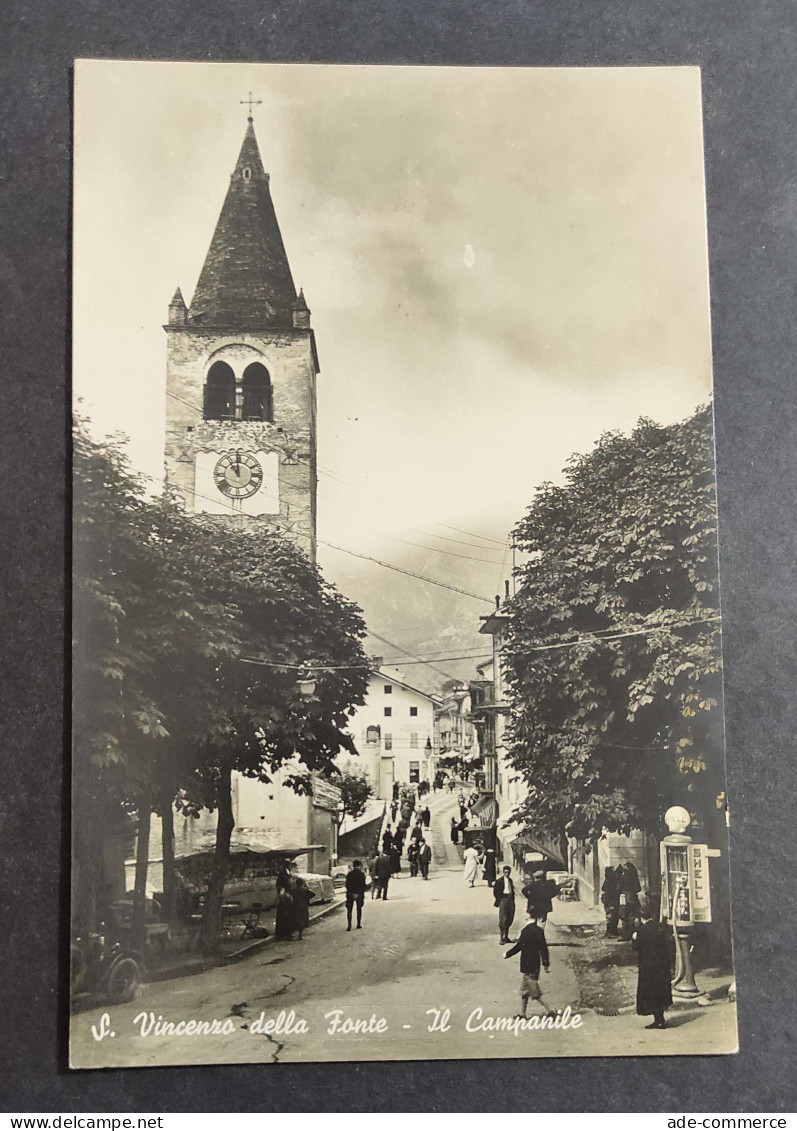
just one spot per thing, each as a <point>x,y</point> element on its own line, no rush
<point>383,871</point>
<point>387,840</point>
<point>412,857</point>
<point>426,816</point>
<point>393,810</point>
<point>395,858</point>
<point>610,898</point>
<point>355,894</point>
<point>533,952</point>
<point>489,865</point>
<point>628,886</point>
<point>654,989</point>
<point>539,893</point>
<point>504,898</point>
<point>424,858</point>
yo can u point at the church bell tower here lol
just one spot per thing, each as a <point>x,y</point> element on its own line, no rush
<point>241,373</point>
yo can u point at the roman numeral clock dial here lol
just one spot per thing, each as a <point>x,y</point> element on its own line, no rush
<point>238,475</point>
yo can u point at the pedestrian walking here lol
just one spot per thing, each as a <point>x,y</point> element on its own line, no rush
<point>355,894</point>
<point>610,898</point>
<point>489,866</point>
<point>393,811</point>
<point>395,858</point>
<point>539,893</point>
<point>375,885</point>
<point>417,833</point>
<point>533,951</point>
<point>504,897</point>
<point>424,858</point>
<point>302,898</point>
<point>412,857</point>
<point>426,816</point>
<point>398,839</point>
<point>383,874</point>
<point>395,790</point>
<point>471,860</point>
<point>454,830</point>
<point>654,989</point>
<point>387,840</point>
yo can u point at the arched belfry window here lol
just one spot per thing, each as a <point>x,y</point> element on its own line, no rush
<point>256,387</point>
<point>220,392</point>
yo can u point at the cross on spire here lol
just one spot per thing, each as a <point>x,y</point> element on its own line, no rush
<point>250,102</point>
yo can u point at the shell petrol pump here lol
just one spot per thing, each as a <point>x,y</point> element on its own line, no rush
<point>685,896</point>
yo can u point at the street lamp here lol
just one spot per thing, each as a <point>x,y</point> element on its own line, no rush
<point>306,685</point>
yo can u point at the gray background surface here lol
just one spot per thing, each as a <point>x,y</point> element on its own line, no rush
<point>747,52</point>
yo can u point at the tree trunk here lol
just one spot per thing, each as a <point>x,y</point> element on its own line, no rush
<point>211,917</point>
<point>167,835</point>
<point>139,917</point>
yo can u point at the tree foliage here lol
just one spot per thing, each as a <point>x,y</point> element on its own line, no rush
<point>167,611</point>
<point>355,790</point>
<point>613,643</point>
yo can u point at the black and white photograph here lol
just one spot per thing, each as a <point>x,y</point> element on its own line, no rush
<point>395,568</point>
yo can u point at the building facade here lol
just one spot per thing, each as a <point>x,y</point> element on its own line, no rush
<point>394,733</point>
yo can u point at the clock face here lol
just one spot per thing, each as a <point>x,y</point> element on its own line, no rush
<point>238,475</point>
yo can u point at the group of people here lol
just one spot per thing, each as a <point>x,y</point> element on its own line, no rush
<point>650,938</point>
<point>621,900</point>
<point>387,863</point>
<point>293,905</point>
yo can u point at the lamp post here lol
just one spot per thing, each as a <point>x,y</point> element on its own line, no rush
<point>686,898</point>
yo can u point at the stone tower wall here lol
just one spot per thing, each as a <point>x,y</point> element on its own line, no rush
<point>289,356</point>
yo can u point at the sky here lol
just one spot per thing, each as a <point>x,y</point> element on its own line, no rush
<point>501,264</point>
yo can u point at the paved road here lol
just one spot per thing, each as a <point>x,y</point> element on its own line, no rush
<point>432,946</point>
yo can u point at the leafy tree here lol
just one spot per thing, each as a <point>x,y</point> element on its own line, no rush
<point>613,645</point>
<point>166,612</point>
<point>355,790</point>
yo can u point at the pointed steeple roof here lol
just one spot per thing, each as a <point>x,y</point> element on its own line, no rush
<point>246,280</point>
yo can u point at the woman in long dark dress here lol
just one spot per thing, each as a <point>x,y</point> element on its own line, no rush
<point>284,925</point>
<point>454,831</point>
<point>654,988</point>
<point>302,898</point>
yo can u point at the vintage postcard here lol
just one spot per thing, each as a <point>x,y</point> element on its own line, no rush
<point>395,568</point>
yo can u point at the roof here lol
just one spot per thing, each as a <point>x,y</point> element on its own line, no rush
<point>246,281</point>
<point>377,673</point>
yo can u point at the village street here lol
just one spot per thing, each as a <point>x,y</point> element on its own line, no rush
<point>432,946</point>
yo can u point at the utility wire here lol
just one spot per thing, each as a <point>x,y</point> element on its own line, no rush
<point>590,639</point>
<point>342,549</point>
<point>425,533</point>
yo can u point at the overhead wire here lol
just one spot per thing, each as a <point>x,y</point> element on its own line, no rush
<point>342,549</point>
<point>425,533</point>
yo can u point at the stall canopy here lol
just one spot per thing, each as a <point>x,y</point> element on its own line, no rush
<point>241,844</point>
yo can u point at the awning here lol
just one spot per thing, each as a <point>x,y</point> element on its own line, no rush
<point>486,809</point>
<point>521,838</point>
